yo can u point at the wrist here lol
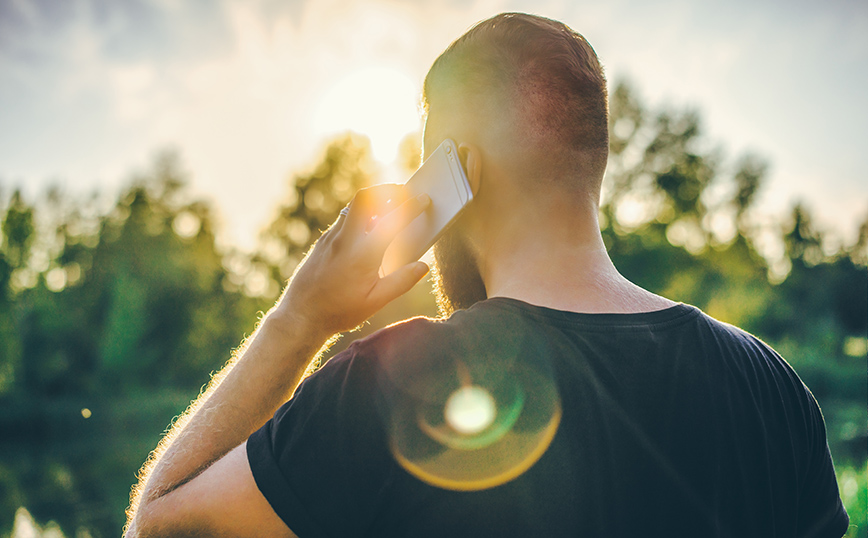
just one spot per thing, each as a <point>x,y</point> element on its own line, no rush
<point>296,327</point>
<point>278,354</point>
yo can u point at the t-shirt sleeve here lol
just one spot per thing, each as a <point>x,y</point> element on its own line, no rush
<point>322,461</point>
<point>821,512</point>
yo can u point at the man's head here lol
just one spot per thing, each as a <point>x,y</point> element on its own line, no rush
<point>527,96</point>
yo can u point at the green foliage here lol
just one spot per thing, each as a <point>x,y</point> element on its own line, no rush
<point>853,483</point>
<point>110,321</point>
<point>17,231</point>
<point>125,320</point>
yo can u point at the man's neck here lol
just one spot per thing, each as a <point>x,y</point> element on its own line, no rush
<point>569,271</point>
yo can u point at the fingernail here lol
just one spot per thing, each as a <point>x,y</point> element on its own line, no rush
<point>421,269</point>
<point>424,198</point>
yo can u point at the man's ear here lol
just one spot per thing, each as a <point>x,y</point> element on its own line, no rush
<point>471,159</point>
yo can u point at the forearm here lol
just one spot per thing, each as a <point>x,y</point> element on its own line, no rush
<point>335,288</point>
<point>238,401</point>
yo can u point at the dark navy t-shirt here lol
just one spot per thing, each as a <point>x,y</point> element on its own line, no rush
<point>673,424</point>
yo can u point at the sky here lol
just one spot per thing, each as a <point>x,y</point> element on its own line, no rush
<point>247,91</point>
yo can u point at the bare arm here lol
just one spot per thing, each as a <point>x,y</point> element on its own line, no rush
<point>181,488</point>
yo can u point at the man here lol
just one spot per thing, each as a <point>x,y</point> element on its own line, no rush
<point>672,424</point>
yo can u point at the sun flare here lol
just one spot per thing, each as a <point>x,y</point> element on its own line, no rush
<point>379,102</point>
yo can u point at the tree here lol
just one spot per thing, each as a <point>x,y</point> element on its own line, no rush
<point>127,313</point>
<point>111,320</point>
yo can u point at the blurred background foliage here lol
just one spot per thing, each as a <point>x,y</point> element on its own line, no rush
<point>111,318</point>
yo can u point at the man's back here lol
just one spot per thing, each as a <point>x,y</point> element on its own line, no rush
<point>672,424</point>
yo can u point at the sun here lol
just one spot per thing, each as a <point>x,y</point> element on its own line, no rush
<point>380,102</point>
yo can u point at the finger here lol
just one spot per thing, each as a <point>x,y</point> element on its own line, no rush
<point>390,225</point>
<point>397,283</point>
<point>372,202</point>
<point>339,221</point>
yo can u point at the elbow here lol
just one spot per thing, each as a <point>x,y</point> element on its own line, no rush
<point>138,527</point>
<point>161,519</point>
<point>132,528</point>
<point>145,524</point>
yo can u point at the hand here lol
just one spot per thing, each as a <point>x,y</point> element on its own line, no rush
<point>337,286</point>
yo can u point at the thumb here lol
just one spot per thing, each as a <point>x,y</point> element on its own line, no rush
<point>397,283</point>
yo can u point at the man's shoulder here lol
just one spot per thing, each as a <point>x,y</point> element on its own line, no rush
<point>413,335</point>
<point>730,334</point>
<point>421,347</point>
<point>734,339</point>
<point>756,363</point>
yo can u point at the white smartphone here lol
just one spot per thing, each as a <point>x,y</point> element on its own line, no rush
<point>442,178</point>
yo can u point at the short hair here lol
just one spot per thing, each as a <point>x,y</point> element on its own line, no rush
<point>546,71</point>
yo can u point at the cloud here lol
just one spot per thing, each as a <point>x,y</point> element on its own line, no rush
<point>89,88</point>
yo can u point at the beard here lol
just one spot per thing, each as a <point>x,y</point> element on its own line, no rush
<point>457,281</point>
